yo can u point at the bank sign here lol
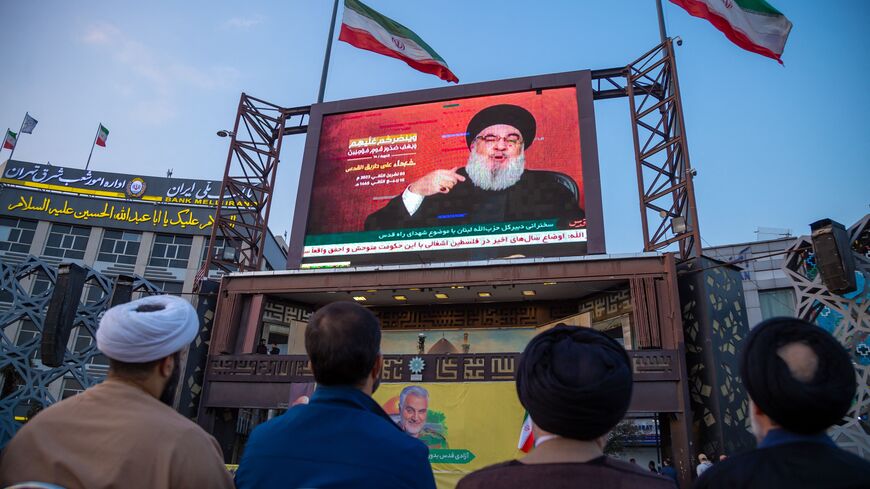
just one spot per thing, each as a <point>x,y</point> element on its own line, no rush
<point>112,200</point>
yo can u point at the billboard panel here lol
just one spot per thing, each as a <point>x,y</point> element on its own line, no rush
<point>486,171</point>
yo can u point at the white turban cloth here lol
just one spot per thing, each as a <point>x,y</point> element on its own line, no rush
<point>135,334</point>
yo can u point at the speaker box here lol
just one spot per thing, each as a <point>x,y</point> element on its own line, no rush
<point>122,292</point>
<point>834,256</point>
<point>61,312</point>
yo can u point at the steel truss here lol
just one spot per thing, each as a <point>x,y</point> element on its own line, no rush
<point>667,198</point>
<point>242,214</point>
<point>664,175</point>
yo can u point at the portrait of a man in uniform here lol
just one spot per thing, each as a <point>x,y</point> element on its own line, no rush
<point>413,417</point>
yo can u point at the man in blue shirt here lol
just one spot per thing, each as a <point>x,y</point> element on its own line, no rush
<point>342,438</point>
<point>800,381</point>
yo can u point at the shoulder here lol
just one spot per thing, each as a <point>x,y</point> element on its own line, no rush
<point>649,478</point>
<point>489,476</point>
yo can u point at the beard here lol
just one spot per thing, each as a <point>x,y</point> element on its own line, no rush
<point>168,395</point>
<point>498,178</point>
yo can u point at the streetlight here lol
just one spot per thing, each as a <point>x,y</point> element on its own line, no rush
<point>224,133</point>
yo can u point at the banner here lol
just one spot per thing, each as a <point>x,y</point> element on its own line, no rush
<point>467,426</point>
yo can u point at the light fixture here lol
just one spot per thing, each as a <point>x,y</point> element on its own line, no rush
<point>484,294</point>
<point>457,286</point>
<point>230,254</point>
<point>415,289</point>
<point>440,295</point>
<point>224,133</point>
<point>678,224</point>
<point>549,283</point>
<point>400,298</point>
<point>359,298</point>
<point>528,293</point>
<point>371,291</point>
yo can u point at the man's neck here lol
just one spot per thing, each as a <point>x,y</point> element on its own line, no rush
<point>149,386</point>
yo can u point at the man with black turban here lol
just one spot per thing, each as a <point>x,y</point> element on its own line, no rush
<point>575,384</point>
<point>494,185</point>
<point>800,381</point>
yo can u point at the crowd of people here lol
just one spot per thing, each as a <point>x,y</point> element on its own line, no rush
<point>576,384</point>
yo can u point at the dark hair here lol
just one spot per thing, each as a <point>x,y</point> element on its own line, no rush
<point>137,371</point>
<point>343,340</point>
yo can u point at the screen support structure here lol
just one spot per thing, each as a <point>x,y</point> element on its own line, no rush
<point>664,176</point>
<point>249,178</point>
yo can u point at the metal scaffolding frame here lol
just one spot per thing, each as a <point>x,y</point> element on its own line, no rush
<point>242,213</point>
<point>664,176</point>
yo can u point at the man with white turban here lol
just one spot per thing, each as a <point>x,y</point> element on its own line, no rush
<point>118,433</point>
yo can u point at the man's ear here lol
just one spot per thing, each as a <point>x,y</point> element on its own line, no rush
<point>166,366</point>
<point>379,366</point>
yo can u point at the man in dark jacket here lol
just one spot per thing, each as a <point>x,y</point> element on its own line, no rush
<point>800,382</point>
<point>342,438</point>
<point>493,187</point>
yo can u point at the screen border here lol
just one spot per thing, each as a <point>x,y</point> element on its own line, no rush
<point>581,80</point>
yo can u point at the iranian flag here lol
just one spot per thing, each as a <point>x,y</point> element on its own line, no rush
<point>527,438</point>
<point>754,25</point>
<point>9,142</point>
<point>102,135</point>
<point>366,29</point>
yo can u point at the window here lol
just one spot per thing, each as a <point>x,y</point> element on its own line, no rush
<point>16,234</point>
<point>119,247</point>
<point>170,251</point>
<point>173,288</point>
<point>776,302</point>
<point>67,241</point>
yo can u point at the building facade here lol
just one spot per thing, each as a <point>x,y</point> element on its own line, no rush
<point>156,229</point>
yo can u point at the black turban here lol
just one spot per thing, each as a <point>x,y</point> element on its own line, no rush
<point>802,407</point>
<point>574,382</point>
<point>511,115</point>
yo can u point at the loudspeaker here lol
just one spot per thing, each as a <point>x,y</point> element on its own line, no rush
<point>122,292</point>
<point>61,312</point>
<point>834,256</point>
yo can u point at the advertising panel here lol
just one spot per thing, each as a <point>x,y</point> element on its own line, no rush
<point>493,175</point>
<point>467,426</point>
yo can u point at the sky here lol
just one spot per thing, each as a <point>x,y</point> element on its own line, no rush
<point>774,146</point>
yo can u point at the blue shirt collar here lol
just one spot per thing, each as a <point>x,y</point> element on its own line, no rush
<point>780,436</point>
<point>351,397</point>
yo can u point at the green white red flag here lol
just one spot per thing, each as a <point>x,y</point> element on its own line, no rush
<point>11,139</point>
<point>754,25</point>
<point>363,27</point>
<point>102,135</point>
<point>527,437</point>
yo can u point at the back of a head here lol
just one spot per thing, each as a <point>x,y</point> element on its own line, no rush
<point>798,374</point>
<point>140,332</point>
<point>574,382</point>
<point>342,340</point>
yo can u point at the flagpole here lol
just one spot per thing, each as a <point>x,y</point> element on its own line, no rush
<point>92,147</point>
<point>662,32</point>
<point>16,139</point>
<point>328,52</point>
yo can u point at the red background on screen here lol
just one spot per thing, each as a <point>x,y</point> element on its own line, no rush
<point>337,206</point>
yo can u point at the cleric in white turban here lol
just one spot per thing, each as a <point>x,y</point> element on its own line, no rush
<point>147,329</point>
<point>118,433</point>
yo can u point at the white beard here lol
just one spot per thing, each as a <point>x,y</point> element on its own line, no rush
<point>499,178</point>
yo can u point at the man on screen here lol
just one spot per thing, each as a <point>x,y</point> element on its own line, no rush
<point>494,185</point>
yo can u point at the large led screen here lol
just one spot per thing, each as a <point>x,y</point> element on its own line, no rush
<point>473,178</point>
